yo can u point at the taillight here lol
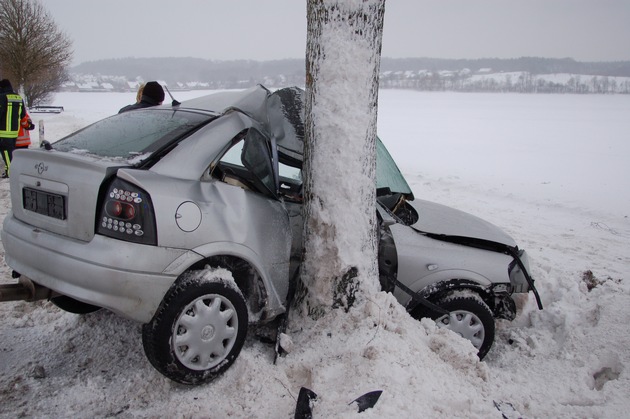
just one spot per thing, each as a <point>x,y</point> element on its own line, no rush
<point>127,214</point>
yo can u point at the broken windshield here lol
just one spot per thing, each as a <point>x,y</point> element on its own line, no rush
<point>387,173</point>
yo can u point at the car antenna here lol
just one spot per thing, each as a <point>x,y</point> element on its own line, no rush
<point>175,102</point>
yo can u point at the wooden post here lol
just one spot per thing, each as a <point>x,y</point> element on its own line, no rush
<point>41,132</point>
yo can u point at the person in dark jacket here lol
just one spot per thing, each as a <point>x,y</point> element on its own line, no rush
<point>152,95</point>
<point>12,111</point>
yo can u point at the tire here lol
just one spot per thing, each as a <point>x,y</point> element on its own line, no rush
<point>71,305</point>
<point>470,317</point>
<point>198,330</point>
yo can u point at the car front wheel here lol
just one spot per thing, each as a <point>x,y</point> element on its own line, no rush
<point>198,331</point>
<point>470,317</point>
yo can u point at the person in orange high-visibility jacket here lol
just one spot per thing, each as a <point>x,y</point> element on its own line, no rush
<point>23,139</point>
<point>11,113</point>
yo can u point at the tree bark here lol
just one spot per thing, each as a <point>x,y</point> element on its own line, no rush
<point>340,239</point>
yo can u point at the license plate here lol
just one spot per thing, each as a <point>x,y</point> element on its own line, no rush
<point>45,203</point>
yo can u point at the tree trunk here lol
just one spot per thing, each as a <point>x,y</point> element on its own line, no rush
<point>342,68</point>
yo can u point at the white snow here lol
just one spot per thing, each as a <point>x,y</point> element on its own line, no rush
<point>551,170</point>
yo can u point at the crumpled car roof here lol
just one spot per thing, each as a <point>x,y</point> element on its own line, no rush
<point>281,113</point>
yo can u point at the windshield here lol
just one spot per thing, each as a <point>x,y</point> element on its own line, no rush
<point>387,173</point>
<point>132,134</point>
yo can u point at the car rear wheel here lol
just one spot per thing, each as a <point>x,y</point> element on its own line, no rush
<point>198,331</point>
<point>469,316</point>
<point>71,305</point>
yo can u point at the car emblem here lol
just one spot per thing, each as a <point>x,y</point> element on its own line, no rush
<point>41,167</point>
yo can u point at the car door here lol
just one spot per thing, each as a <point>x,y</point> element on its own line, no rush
<point>254,214</point>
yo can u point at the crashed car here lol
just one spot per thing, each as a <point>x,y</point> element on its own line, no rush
<point>187,218</point>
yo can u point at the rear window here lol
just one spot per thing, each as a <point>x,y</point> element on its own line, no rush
<point>133,134</point>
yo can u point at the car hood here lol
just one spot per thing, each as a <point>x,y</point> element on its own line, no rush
<point>446,221</point>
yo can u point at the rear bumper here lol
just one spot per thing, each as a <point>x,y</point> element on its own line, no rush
<point>126,278</point>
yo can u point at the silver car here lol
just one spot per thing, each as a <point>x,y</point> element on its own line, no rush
<point>187,218</point>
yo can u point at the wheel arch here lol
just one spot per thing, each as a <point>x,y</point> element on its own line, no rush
<point>264,296</point>
<point>247,278</point>
<point>444,280</point>
<point>442,288</point>
<point>438,290</point>
<point>501,304</point>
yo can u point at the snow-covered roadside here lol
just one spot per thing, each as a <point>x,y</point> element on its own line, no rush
<point>569,360</point>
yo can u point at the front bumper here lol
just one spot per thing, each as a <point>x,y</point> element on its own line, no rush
<point>127,278</point>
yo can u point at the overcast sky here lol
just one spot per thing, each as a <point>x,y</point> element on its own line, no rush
<point>586,30</point>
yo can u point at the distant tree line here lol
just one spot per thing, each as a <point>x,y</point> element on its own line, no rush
<point>524,75</point>
<point>210,73</point>
<point>532,65</point>
<point>518,82</point>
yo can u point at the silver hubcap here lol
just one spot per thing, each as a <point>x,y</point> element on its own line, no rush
<point>205,332</point>
<point>465,324</point>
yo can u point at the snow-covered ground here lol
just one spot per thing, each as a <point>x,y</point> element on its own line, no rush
<point>552,170</point>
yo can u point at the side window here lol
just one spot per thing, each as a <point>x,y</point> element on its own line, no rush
<point>290,182</point>
<point>233,155</point>
<point>256,157</point>
<point>290,173</point>
<point>247,164</point>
